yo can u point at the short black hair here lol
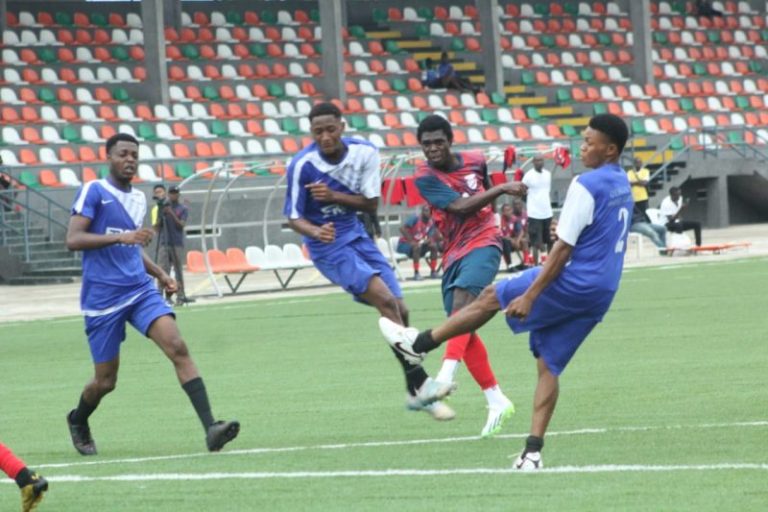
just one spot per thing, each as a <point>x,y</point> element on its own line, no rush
<point>432,123</point>
<point>158,186</point>
<point>674,189</point>
<point>117,138</point>
<point>325,108</point>
<point>613,127</point>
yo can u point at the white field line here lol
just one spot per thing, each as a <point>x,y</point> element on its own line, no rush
<point>607,468</point>
<point>409,442</point>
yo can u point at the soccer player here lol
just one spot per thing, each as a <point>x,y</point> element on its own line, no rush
<point>31,484</point>
<point>328,181</point>
<point>417,241</point>
<point>561,302</point>
<point>106,225</point>
<point>539,207</point>
<point>514,234</point>
<point>457,187</point>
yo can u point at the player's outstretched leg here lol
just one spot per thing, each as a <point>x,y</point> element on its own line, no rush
<point>165,333</point>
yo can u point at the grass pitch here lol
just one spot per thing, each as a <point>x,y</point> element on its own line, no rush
<point>663,408</point>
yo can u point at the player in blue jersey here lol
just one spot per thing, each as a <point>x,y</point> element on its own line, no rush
<point>328,182</point>
<point>106,224</point>
<point>561,302</point>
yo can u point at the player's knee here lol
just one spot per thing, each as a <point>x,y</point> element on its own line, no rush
<point>178,350</point>
<point>106,384</point>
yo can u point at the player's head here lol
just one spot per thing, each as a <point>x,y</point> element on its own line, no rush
<point>506,210</point>
<point>435,136</point>
<point>517,206</point>
<point>604,140</point>
<point>538,162</point>
<point>444,57</point>
<point>158,192</point>
<point>327,127</point>
<point>123,155</point>
<point>173,193</point>
<point>674,193</point>
<point>429,63</point>
<point>426,212</point>
<point>638,163</point>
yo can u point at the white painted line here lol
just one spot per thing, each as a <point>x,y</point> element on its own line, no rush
<point>407,442</point>
<point>606,468</point>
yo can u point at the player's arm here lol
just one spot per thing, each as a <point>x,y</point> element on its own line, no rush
<point>325,233</point>
<point>176,219</point>
<point>79,239</point>
<point>153,269</point>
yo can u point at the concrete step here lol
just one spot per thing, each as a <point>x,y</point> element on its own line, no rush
<point>36,246</point>
<point>49,254</point>
<point>18,240</point>
<point>71,271</point>
<point>31,266</point>
<point>39,280</point>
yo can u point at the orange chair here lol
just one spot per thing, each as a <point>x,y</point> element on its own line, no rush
<point>218,149</point>
<point>234,111</point>
<point>31,135</point>
<point>28,157</point>
<point>195,262</point>
<point>522,133</point>
<point>203,150</point>
<point>459,137</point>
<point>65,96</point>
<point>393,140</point>
<point>29,115</point>
<point>254,127</point>
<point>101,36</point>
<point>205,35</point>
<point>116,20</point>
<point>236,259</point>
<point>490,134</point>
<point>206,51</point>
<point>89,174</point>
<point>181,150</point>
<point>167,173</point>
<point>48,178</point>
<point>87,154</point>
<point>290,145</point>
<point>102,54</point>
<point>410,140</point>
<point>200,18</point>
<point>68,155</point>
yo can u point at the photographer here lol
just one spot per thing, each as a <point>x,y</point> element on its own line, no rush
<point>169,217</point>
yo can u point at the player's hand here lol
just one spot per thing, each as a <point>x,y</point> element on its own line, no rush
<point>169,284</point>
<point>139,237</point>
<point>326,233</point>
<point>514,188</point>
<point>520,307</point>
<point>320,192</point>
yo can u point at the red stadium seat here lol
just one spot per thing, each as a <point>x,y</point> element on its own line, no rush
<point>48,178</point>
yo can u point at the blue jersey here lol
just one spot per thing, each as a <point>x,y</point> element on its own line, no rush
<point>113,276</point>
<point>357,174</point>
<point>595,220</point>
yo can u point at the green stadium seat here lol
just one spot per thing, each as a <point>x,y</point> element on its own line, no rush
<point>268,17</point>
<point>755,66</point>
<point>604,39</point>
<point>586,75</point>
<point>426,13</point>
<point>99,19</point>
<point>570,131</point>
<point>314,15</point>
<point>638,127</point>
<point>63,18</point>
<point>392,47</point>
<point>547,41</point>
<point>147,132</point>
<point>258,50</point>
<point>742,103</point>
<point>399,85</point>
<point>357,31</point>
<point>219,129</point>
<point>713,36</point>
<point>528,78</point>
<point>660,38</point>
<point>234,17</point>
<point>120,95</point>
<point>47,55</point>
<point>420,116</point>
<point>571,8</point>
<point>28,179</point>
<point>358,123</point>
<point>457,45</point>
<point>190,52</point>
<point>422,31</point>
<point>291,126</point>
<point>599,108</point>
<point>533,113</point>
<point>103,172</point>
<point>489,115</point>
<point>541,8</point>
<point>71,134</point>
<point>676,144</point>
<point>564,96</point>
<point>210,93</point>
<point>700,69</point>
<point>46,95</point>
<point>735,138</point>
<point>120,53</point>
<point>686,105</point>
<point>184,170</point>
<point>679,7</point>
<point>379,15</point>
<point>498,98</point>
<point>276,90</point>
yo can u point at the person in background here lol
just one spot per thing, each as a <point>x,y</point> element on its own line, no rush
<point>638,179</point>
<point>539,207</point>
<point>514,234</point>
<point>416,241</point>
<point>672,208</point>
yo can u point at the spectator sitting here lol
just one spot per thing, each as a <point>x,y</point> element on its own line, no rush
<point>417,241</point>
<point>642,225</point>
<point>7,192</point>
<point>672,207</point>
<point>429,77</point>
<point>448,78</point>
<point>704,8</point>
<point>514,234</point>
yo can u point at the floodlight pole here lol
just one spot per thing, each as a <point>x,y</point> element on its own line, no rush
<point>154,52</point>
<point>488,12</point>
<point>640,17</point>
<point>331,22</point>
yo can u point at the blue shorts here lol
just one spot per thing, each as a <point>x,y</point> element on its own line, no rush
<point>353,267</point>
<point>558,324</point>
<point>107,332</point>
<point>473,273</point>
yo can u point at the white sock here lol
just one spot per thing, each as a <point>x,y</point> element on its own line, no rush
<point>447,371</point>
<point>496,399</point>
